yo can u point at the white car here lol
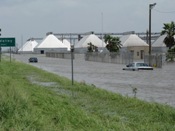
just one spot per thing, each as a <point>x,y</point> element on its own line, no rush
<point>138,66</point>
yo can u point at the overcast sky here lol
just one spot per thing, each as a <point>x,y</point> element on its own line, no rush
<point>34,18</point>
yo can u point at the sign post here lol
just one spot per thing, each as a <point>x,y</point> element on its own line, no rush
<point>6,42</point>
<point>0,53</point>
<point>72,57</point>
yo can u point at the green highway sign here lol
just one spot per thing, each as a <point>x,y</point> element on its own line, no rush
<point>7,42</point>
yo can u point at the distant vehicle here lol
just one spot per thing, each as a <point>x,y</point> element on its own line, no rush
<point>33,59</point>
<point>138,66</point>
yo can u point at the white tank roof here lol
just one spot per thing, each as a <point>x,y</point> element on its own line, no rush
<point>51,41</point>
<point>132,40</point>
<point>90,38</point>
<point>67,44</point>
<point>159,42</point>
<point>28,46</point>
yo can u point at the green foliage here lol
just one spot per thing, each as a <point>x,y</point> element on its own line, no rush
<point>92,48</point>
<point>27,104</point>
<point>169,30</point>
<point>113,43</point>
<point>170,56</point>
<point>172,50</point>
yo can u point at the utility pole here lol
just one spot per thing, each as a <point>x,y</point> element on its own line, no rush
<point>150,8</point>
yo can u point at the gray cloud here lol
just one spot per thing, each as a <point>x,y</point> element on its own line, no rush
<point>33,18</point>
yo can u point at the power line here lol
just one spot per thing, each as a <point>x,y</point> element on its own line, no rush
<point>164,11</point>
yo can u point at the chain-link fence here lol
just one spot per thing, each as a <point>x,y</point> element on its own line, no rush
<point>155,60</point>
<point>58,55</point>
<point>117,58</point>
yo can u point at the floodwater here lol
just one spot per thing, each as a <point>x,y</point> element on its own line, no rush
<point>156,86</point>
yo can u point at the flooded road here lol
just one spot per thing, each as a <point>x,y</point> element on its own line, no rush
<point>157,85</point>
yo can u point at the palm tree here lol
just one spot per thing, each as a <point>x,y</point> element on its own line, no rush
<point>92,48</point>
<point>113,43</point>
<point>169,30</point>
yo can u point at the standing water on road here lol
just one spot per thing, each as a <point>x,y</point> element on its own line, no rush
<point>157,85</point>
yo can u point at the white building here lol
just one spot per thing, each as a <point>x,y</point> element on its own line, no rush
<point>28,47</point>
<point>134,44</point>
<point>50,44</point>
<point>82,45</point>
<point>67,44</point>
<point>159,46</point>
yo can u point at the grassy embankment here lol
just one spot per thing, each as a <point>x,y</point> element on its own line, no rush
<point>35,100</point>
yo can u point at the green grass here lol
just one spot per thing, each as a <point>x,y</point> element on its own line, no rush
<point>35,100</point>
